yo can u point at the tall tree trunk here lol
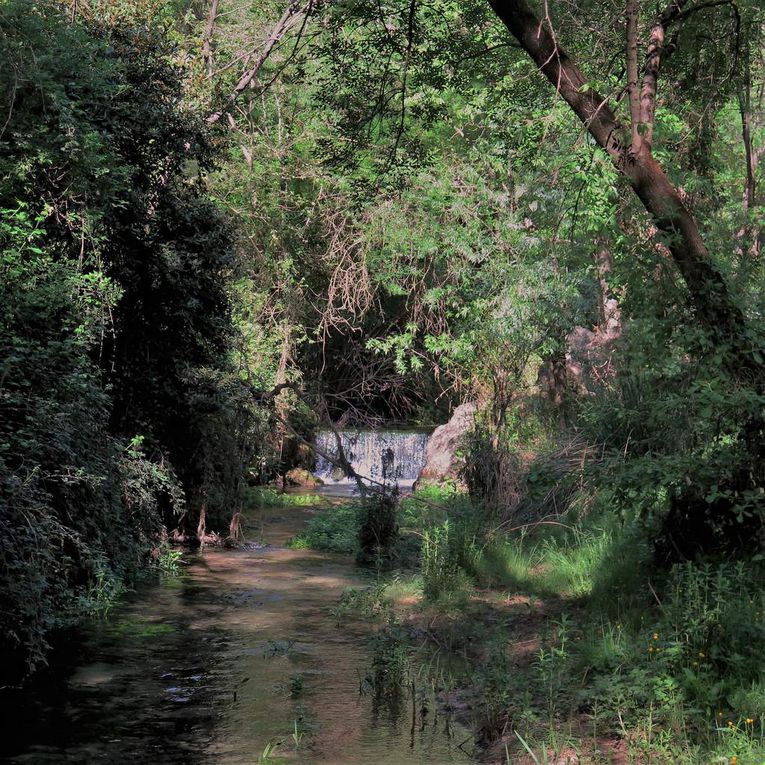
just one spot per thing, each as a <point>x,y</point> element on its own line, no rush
<point>287,442</point>
<point>745,108</point>
<point>751,111</point>
<point>715,308</point>
<point>207,43</point>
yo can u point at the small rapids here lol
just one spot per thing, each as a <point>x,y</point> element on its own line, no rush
<point>239,653</point>
<point>385,456</point>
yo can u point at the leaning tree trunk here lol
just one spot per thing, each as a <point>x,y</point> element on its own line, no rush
<point>631,154</point>
<point>693,525</point>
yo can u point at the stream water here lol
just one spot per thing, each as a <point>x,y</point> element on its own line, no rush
<point>238,652</point>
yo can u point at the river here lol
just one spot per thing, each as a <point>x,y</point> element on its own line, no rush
<point>237,660</point>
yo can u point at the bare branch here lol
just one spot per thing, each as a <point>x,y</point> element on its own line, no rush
<point>268,395</point>
<point>293,12</point>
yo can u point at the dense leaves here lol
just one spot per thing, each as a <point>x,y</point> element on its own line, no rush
<point>118,407</point>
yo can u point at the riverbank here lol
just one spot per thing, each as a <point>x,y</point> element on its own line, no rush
<point>576,649</point>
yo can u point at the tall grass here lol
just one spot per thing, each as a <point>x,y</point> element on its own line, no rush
<point>567,567</point>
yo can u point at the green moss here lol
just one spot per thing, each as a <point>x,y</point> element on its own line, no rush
<point>137,627</point>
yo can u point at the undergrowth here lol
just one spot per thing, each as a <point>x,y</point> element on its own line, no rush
<point>333,529</point>
<point>669,663</point>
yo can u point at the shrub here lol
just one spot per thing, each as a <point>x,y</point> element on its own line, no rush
<point>334,529</point>
<point>378,529</point>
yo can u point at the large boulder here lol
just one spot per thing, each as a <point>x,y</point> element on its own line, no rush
<point>442,462</point>
<point>588,360</point>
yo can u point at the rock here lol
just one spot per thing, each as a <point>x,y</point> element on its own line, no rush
<point>589,355</point>
<point>441,460</point>
<point>302,477</point>
<point>587,363</point>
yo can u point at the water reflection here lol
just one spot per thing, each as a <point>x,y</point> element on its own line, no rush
<point>239,652</point>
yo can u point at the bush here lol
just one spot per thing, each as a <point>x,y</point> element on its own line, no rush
<point>334,529</point>
<point>378,529</point>
<point>114,320</point>
<point>698,657</point>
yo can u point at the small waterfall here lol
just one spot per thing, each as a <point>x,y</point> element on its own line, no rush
<point>387,456</point>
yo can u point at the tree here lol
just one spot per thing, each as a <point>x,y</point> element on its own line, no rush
<point>118,399</point>
<point>631,151</point>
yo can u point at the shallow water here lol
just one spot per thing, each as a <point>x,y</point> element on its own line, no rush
<point>239,651</point>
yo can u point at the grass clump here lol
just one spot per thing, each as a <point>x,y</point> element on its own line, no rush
<point>367,528</point>
<point>261,496</point>
<point>378,530</point>
<point>444,548</point>
<point>333,529</point>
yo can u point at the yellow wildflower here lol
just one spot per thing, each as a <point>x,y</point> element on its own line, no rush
<point>655,635</point>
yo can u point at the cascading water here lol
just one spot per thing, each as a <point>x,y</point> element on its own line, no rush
<point>386,456</point>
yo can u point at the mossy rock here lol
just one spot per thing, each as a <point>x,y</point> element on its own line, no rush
<point>302,477</point>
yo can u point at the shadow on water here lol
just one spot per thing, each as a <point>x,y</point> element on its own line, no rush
<point>238,654</point>
<point>143,683</point>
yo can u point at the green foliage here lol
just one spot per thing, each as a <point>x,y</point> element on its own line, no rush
<point>78,508</point>
<point>389,665</point>
<point>335,529</point>
<point>442,551</point>
<point>264,497</point>
<point>369,603</point>
<point>119,412</point>
<point>378,529</point>
<point>430,505</point>
<point>692,662</point>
